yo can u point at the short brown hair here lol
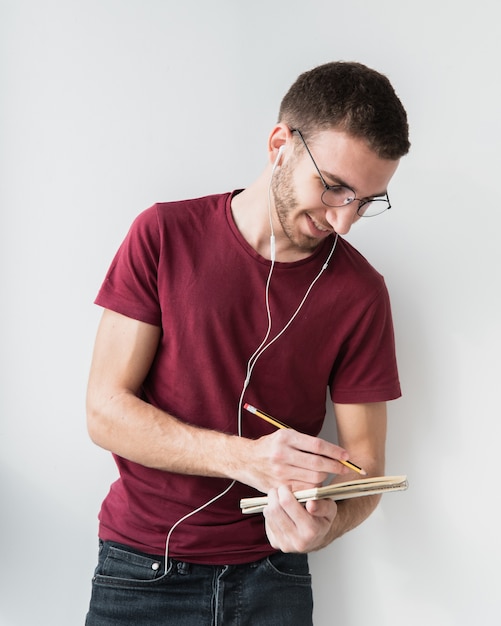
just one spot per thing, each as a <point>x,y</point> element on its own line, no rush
<point>351,97</point>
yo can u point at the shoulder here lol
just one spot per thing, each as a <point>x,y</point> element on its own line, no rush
<point>166,219</point>
<point>356,269</point>
<point>194,208</point>
<point>161,212</point>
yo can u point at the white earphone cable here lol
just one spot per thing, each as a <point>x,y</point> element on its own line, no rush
<point>263,346</point>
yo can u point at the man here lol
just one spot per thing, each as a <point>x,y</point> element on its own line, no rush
<point>246,297</point>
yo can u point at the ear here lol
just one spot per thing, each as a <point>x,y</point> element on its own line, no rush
<point>277,143</point>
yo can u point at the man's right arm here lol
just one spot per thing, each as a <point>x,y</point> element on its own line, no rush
<point>119,421</point>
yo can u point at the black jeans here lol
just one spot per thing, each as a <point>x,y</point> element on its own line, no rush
<point>131,588</point>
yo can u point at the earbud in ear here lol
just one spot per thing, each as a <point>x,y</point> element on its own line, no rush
<point>279,155</point>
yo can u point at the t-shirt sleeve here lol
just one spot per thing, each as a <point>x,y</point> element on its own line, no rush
<point>366,370</point>
<point>130,285</point>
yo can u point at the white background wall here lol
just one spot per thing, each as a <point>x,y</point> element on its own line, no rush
<point>108,106</point>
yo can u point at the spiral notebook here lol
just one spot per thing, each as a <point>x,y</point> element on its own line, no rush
<point>337,491</point>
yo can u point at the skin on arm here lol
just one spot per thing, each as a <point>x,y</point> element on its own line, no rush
<point>293,528</point>
<point>121,422</point>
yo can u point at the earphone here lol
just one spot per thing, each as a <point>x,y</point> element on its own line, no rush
<point>279,155</point>
<point>265,344</point>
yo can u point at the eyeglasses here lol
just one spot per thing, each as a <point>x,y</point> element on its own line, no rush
<point>341,195</point>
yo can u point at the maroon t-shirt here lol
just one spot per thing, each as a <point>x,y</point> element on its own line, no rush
<point>185,267</point>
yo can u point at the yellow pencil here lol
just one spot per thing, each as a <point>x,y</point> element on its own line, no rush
<point>278,424</point>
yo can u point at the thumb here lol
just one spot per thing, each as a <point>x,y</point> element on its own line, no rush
<point>322,508</point>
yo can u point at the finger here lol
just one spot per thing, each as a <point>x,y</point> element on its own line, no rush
<point>282,507</point>
<point>291,527</point>
<point>312,453</point>
<point>325,508</point>
<point>315,445</point>
<point>279,522</point>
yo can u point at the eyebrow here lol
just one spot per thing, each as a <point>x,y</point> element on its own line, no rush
<point>340,181</point>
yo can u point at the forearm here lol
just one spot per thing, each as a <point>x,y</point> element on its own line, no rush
<point>124,424</point>
<point>350,514</point>
<point>133,429</point>
<point>367,444</point>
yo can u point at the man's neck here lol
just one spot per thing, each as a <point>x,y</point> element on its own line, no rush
<point>251,216</point>
<point>251,213</point>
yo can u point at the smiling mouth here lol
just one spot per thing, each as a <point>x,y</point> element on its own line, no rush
<point>317,226</point>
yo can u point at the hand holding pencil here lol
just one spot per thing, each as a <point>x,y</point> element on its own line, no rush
<point>271,420</point>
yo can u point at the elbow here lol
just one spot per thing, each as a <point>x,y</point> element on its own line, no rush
<point>105,411</point>
<point>97,426</point>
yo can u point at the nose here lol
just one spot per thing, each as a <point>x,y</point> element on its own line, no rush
<point>341,219</point>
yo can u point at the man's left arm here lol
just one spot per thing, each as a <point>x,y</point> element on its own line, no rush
<point>293,528</point>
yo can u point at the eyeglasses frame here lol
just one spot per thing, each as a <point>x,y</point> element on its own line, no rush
<point>330,187</point>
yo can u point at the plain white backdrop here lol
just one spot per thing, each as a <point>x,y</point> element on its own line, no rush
<point>108,106</point>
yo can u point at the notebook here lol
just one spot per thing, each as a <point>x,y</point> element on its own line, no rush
<point>337,491</point>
